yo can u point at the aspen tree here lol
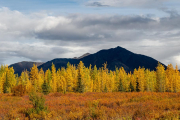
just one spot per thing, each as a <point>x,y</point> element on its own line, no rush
<point>2,70</point>
<point>148,80</point>
<point>34,77</point>
<point>40,80</point>
<point>54,78</point>
<point>48,76</point>
<point>123,80</point>
<point>1,84</point>
<point>12,78</point>
<point>176,80</point>
<point>117,79</point>
<point>133,82</point>
<point>170,78</point>
<point>141,79</point>
<point>6,78</point>
<point>69,78</point>
<point>160,73</point>
<point>111,81</point>
<point>62,82</point>
<point>94,77</point>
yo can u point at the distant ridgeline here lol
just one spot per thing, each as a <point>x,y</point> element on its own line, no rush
<point>115,57</point>
<point>90,79</point>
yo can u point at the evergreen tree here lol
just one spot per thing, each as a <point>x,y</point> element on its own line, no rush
<point>80,85</point>
<point>45,88</point>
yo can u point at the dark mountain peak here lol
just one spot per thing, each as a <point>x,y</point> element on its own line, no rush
<point>115,57</point>
<point>82,56</point>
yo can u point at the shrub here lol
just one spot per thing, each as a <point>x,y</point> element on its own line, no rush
<point>19,90</point>
<point>39,109</point>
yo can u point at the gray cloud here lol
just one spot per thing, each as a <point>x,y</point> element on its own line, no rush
<point>128,3</point>
<point>96,4</point>
<point>41,37</point>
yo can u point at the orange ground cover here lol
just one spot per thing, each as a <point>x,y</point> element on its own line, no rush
<point>107,106</point>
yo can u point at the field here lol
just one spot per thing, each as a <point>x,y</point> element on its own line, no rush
<point>102,106</point>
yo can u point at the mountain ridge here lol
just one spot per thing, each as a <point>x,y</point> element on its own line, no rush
<point>115,57</point>
<point>24,65</point>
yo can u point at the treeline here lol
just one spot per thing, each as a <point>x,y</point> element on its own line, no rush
<point>87,79</point>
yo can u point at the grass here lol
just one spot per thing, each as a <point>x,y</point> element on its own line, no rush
<point>115,106</point>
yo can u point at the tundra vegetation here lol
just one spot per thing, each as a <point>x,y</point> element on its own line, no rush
<point>79,92</point>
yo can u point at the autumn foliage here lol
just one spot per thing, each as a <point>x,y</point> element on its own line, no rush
<point>87,79</point>
<point>79,92</point>
<point>94,106</point>
<point>19,90</point>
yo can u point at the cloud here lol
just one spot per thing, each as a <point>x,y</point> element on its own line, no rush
<point>128,3</point>
<point>96,4</point>
<point>42,37</point>
<point>171,12</point>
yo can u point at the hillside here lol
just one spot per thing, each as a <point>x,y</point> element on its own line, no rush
<point>21,66</point>
<point>115,57</point>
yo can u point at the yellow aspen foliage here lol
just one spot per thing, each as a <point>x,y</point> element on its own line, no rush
<point>148,80</point>
<point>40,80</point>
<point>116,79</point>
<point>87,82</point>
<point>11,78</point>
<point>160,74</point>
<point>111,81</point>
<point>34,77</point>
<point>3,80</point>
<point>63,84</point>
<point>1,83</point>
<point>153,82</point>
<point>94,78</point>
<point>41,73</point>
<point>91,79</point>
<point>48,76</point>
<point>69,78</point>
<point>54,79</point>
<point>176,80</point>
<point>141,79</point>
<point>133,82</point>
<point>170,78</point>
<point>123,82</point>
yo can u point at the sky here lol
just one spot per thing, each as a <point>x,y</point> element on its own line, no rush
<point>41,30</point>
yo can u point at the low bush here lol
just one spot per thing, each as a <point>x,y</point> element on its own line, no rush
<point>39,109</point>
<point>19,90</point>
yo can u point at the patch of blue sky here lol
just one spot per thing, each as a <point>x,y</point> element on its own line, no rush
<point>37,5</point>
<point>65,7</point>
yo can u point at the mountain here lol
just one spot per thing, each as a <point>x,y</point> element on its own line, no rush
<point>115,57</point>
<point>21,66</point>
<point>84,55</point>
